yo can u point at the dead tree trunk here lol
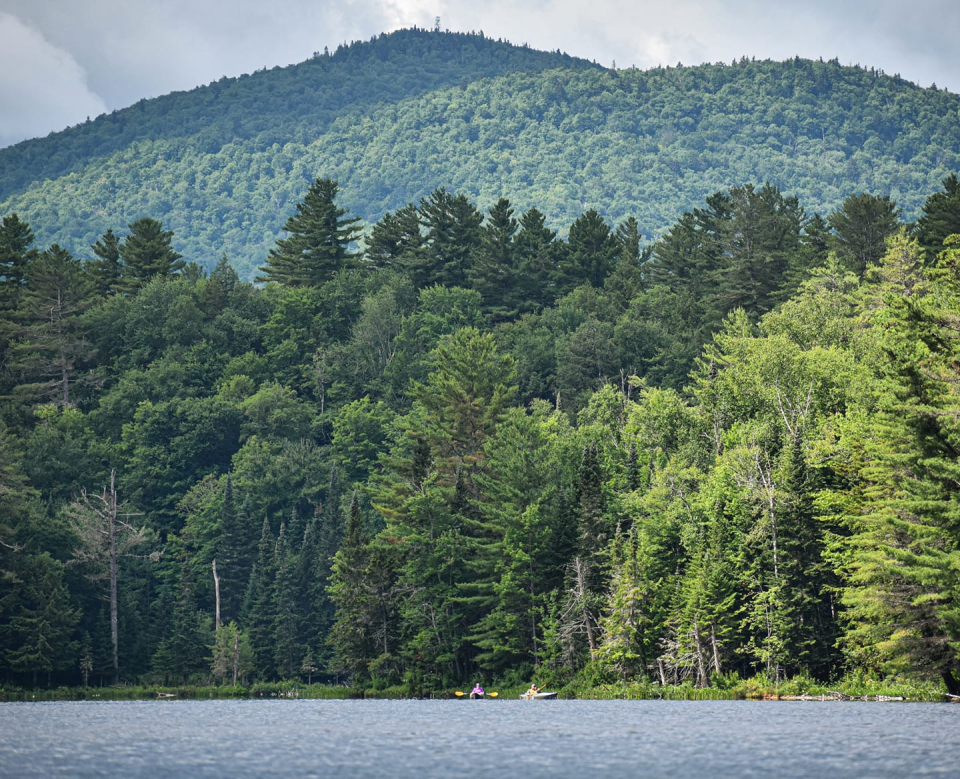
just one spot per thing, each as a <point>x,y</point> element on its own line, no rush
<point>216,589</point>
<point>110,511</point>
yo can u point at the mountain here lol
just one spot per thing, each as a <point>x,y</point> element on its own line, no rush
<point>398,116</point>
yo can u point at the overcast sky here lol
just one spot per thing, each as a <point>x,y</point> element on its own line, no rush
<point>64,60</point>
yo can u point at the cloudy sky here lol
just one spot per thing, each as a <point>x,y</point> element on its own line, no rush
<point>64,60</point>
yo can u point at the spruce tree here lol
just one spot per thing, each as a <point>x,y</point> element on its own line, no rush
<point>287,649</point>
<point>537,251</point>
<point>940,218</point>
<point>147,254</point>
<point>494,271</point>
<point>595,531</point>
<point>106,270</point>
<point>591,253</point>
<point>259,609</point>
<point>861,227</point>
<point>15,255</point>
<point>37,632</point>
<point>352,635</point>
<point>188,640</point>
<point>901,595</point>
<point>235,553</point>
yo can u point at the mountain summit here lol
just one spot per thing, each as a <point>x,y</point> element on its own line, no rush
<point>393,118</point>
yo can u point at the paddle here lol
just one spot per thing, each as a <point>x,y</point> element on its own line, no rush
<point>460,694</point>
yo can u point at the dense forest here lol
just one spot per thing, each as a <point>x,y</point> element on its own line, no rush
<point>395,118</point>
<point>464,447</point>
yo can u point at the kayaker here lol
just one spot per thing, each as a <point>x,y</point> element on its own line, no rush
<point>533,690</point>
<point>477,690</point>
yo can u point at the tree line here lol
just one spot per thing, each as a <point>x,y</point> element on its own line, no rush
<point>472,447</point>
<point>394,118</point>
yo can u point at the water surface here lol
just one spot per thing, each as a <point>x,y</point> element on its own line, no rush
<point>491,738</point>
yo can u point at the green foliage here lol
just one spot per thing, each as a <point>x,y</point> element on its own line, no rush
<point>395,118</point>
<point>146,254</point>
<point>317,243</point>
<point>488,450</point>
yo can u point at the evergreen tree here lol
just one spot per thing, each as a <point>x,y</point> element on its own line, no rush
<point>351,636</point>
<point>106,270</point>
<point>259,609</point>
<point>595,532</point>
<point>184,649</point>
<point>235,553</point>
<point>147,253</point>
<point>625,621</point>
<point>627,237</point>
<point>861,227</point>
<point>451,238</point>
<point>940,218</point>
<point>15,255</point>
<point>288,651</point>
<point>493,273</point>
<point>537,252</point>
<point>902,597</point>
<point>319,237</point>
<point>759,241</point>
<point>37,631</point>
<point>465,397</point>
<point>49,342</point>
<point>394,241</point>
<point>591,253</point>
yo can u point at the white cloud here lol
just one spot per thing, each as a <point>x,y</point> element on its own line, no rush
<point>131,49</point>
<point>42,87</point>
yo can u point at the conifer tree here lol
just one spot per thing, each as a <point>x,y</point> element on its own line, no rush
<point>537,252</point>
<point>494,270</point>
<point>259,609</point>
<point>451,238</point>
<point>595,532</point>
<point>235,552</point>
<point>319,237</point>
<point>37,632</point>
<point>627,237</point>
<point>106,270</point>
<point>591,252</point>
<point>394,241</point>
<point>625,620</point>
<point>49,341</point>
<point>183,650</point>
<point>861,227</point>
<point>287,649</point>
<point>16,254</point>
<point>940,218</point>
<point>351,635</point>
<point>902,594</point>
<point>312,574</point>
<point>147,254</point>
<point>759,242</point>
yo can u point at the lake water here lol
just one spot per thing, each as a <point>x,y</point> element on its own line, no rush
<point>491,738</point>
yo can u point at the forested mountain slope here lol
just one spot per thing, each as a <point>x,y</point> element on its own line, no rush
<point>395,118</point>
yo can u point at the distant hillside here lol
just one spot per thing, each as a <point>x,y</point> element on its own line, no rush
<point>398,116</point>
